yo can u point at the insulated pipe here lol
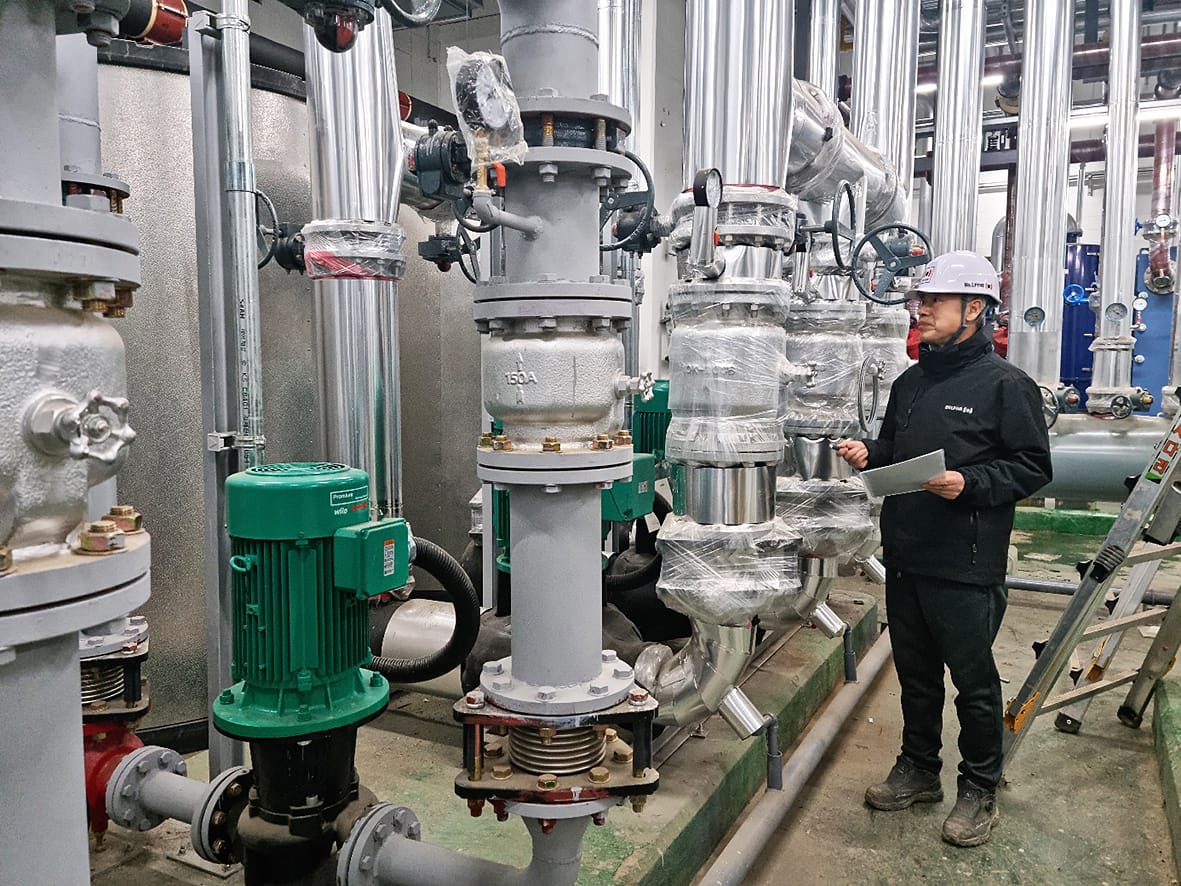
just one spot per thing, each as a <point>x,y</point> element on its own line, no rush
<point>957,126</point>
<point>1169,399</point>
<point>356,164</point>
<point>1040,228</point>
<point>739,855</point>
<point>824,45</point>
<point>1093,456</point>
<point>825,153</point>
<point>241,226</point>
<point>693,683</point>
<point>557,854</point>
<point>885,61</point>
<point>1111,374</point>
<point>1160,273</point>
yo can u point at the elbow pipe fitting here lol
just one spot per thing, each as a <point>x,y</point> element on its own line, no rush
<point>446,569</point>
<point>531,226</point>
<point>695,682</point>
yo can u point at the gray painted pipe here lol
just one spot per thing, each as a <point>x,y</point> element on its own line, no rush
<point>1067,588</point>
<point>739,855</point>
<point>556,859</point>
<point>172,796</point>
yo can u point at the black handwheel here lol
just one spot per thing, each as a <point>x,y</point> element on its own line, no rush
<point>1121,406</point>
<point>836,230</point>
<point>1051,407</point>
<point>893,246</point>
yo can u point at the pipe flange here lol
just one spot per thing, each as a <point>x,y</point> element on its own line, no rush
<point>615,680</point>
<point>123,788</point>
<point>224,801</point>
<point>575,107</point>
<point>357,865</point>
<point>749,215</point>
<point>556,811</point>
<point>571,161</point>
<point>564,468</point>
<point>739,300</point>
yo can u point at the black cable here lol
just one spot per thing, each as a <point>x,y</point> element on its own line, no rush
<point>474,274</point>
<point>641,227</point>
<point>442,566</point>
<point>274,244</point>
<point>474,228</point>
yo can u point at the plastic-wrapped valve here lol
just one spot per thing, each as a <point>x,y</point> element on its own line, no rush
<point>727,575</point>
<point>486,105</point>
<point>353,250</point>
<point>831,516</point>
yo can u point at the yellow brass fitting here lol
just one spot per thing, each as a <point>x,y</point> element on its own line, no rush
<point>599,775</point>
<point>126,517</point>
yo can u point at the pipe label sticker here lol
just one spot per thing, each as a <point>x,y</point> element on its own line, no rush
<point>348,501</point>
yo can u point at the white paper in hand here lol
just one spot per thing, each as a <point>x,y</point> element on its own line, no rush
<point>906,476</point>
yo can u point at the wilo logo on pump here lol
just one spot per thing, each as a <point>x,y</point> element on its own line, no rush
<point>348,500</point>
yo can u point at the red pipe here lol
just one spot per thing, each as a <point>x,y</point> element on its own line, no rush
<point>104,745</point>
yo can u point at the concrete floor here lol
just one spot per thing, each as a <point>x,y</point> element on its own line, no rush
<point>1077,809</point>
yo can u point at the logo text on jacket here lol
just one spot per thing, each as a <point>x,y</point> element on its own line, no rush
<point>953,407</point>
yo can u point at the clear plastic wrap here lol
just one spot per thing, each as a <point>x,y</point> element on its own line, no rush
<point>748,214</point>
<point>726,575</point>
<point>353,250</point>
<point>489,116</point>
<point>831,516</point>
<point>725,384</point>
<point>828,406</point>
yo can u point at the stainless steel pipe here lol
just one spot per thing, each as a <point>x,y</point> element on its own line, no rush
<point>1035,337</point>
<point>1112,347</point>
<point>824,45</point>
<point>357,158</point>
<point>885,64</point>
<point>957,126</point>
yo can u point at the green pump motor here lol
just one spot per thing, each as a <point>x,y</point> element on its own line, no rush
<point>306,560</point>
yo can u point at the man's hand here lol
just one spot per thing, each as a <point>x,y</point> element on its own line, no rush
<point>947,485</point>
<point>854,452</point>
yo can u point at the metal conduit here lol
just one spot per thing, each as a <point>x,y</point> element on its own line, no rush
<point>744,848</point>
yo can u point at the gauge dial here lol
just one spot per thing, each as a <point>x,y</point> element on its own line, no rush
<point>1034,316</point>
<point>707,188</point>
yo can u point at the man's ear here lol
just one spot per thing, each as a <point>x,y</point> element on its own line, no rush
<point>975,309</point>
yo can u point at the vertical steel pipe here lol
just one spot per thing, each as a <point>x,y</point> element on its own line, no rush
<point>885,65</point>
<point>356,161</point>
<point>28,104</point>
<point>740,92</point>
<point>77,104</point>
<point>824,45</point>
<point>240,224</point>
<point>1040,229</point>
<point>957,126</point>
<point>1112,346</point>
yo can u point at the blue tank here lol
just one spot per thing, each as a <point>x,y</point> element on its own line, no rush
<point>1078,320</point>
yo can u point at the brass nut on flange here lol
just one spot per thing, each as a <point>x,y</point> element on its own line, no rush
<point>623,438</point>
<point>5,559</point>
<point>126,518</point>
<point>551,444</point>
<point>502,773</point>
<point>547,782</point>
<point>599,775</point>
<point>611,734</point>
<point>622,756</point>
<point>494,750</point>
<point>101,537</point>
<point>501,443</point>
<point>603,441</point>
<point>485,441</point>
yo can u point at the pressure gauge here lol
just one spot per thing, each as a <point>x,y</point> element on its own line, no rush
<point>1163,220</point>
<point>1116,312</point>
<point>707,188</point>
<point>1140,303</point>
<point>1034,316</point>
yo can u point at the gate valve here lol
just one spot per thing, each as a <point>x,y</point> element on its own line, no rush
<point>96,428</point>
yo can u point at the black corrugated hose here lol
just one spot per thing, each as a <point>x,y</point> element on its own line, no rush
<point>446,570</point>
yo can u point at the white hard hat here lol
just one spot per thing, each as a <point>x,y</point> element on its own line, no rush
<point>961,273</point>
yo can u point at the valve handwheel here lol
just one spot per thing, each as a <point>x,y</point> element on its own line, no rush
<point>897,254</point>
<point>836,230</point>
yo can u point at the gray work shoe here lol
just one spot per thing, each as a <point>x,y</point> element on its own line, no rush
<point>904,786</point>
<point>972,819</point>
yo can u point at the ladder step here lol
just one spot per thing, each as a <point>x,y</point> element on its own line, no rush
<point>1086,691</point>
<point>1148,554</point>
<point>1119,625</point>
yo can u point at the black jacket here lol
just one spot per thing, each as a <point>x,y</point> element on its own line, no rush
<point>986,415</point>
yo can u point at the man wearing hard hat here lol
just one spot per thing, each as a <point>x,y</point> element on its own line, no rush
<point>945,548</point>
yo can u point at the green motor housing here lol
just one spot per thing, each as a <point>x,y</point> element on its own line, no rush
<point>650,420</point>
<point>305,561</point>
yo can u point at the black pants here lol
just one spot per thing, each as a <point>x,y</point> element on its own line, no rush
<point>936,623</point>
